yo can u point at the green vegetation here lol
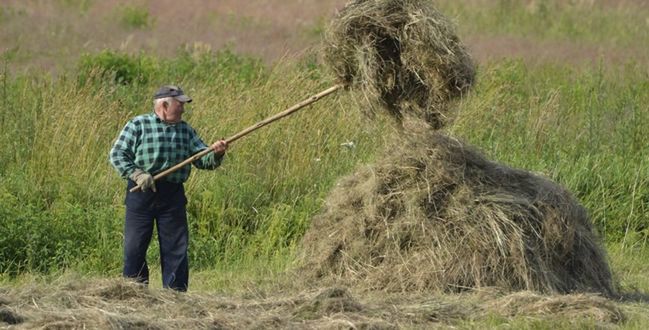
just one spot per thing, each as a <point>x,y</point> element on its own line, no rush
<point>63,201</point>
<point>593,23</point>
<point>237,20</point>
<point>135,17</point>
<point>81,5</point>
<point>116,67</point>
<point>583,129</point>
<point>7,13</point>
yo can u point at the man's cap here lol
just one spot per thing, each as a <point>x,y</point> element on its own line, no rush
<point>172,91</point>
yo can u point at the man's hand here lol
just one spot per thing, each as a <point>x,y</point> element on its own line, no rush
<point>143,179</point>
<point>220,147</point>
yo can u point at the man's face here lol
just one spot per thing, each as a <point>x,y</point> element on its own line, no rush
<point>174,111</point>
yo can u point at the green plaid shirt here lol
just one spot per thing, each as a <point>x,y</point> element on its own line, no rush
<point>148,143</point>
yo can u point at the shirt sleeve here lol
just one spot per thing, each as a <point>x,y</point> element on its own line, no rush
<point>207,162</point>
<point>122,155</point>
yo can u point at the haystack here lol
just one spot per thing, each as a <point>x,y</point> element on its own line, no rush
<point>436,215</point>
<point>401,55</point>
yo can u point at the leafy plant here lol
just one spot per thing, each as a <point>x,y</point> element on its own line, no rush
<point>116,67</point>
<point>135,17</point>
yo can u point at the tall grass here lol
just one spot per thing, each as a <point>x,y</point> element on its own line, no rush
<point>62,202</point>
<point>580,128</point>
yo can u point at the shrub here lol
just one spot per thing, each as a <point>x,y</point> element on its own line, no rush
<point>120,68</point>
<point>134,17</point>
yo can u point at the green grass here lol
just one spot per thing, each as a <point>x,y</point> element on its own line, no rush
<point>63,202</point>
<point>134,17</point>
<point>7,13</point>
<point>574,21</point>
<point>81,5</point>
<point>583,129</point>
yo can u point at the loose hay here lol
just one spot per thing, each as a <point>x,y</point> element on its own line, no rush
<point>329,301</point>
<point>129,305</point>
<point>586,306</point>
<point>436,215</point>
<point>403,55</point>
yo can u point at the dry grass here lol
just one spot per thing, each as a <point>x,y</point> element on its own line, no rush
<point>402,55</point>
<point>117,304</point>
<point>572,306</point>
<point>436,215</point>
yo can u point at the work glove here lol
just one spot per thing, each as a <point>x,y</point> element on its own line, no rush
<point>143,179</point>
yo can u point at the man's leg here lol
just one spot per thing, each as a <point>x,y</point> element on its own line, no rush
<point>138,229</point>
<point>173,235</point>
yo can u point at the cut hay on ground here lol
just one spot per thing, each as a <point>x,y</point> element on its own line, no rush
<point>434,214</point>
<point>402,55</point>
<point>75,303</point>
<point>587,306</point>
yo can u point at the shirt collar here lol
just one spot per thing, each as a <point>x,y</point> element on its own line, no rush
<point>160,121</point>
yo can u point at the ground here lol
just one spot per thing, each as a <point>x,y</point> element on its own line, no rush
<point>271,29</point>
<point>99,303</point>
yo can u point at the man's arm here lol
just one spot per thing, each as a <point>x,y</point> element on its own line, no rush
<point>213,159</point>
<point>122,155</point>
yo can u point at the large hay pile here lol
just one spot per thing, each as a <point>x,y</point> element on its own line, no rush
<point>402,55</point>
<point>434,214</point>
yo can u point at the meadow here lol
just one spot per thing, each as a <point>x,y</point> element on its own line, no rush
<point>580,122</point>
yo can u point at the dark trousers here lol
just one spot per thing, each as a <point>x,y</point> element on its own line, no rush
<point>165,208</point>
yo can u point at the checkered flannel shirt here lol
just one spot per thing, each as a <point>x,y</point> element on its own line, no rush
<point>148,143</point>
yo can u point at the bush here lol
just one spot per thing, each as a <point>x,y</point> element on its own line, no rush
<point>46,229</point>
<point>134,17</point>
<point>116,67</point>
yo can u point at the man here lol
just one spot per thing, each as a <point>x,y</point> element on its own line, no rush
<point>149,144</point>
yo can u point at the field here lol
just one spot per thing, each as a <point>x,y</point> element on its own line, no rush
<point>561,90</point>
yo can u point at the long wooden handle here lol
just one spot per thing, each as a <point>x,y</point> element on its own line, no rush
<point>247,131</point>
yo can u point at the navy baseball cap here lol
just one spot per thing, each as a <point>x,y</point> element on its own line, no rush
<point>172,91</point>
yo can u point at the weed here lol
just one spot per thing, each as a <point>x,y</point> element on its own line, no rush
<point>116,67</point>
<point>135,17</point>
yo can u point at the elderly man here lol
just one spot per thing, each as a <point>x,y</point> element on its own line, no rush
<point>148,144</point>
